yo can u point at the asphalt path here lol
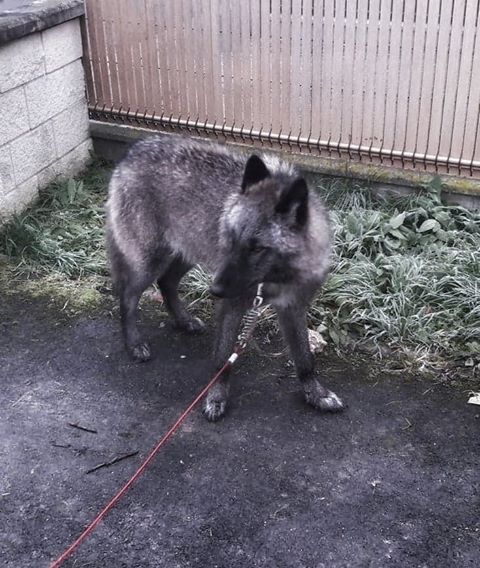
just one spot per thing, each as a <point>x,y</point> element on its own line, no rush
<point>392,481</point>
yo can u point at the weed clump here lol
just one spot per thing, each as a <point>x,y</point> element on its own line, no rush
<point>406,273</point>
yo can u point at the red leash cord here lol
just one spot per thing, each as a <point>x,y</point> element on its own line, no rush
<point>89,528</point>
<point>250,320</point>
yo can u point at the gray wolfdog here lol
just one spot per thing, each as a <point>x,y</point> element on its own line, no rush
<point>174,202</point>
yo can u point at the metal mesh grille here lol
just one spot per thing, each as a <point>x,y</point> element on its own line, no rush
<point>380,81</point>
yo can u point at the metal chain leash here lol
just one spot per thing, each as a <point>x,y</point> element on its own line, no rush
<point>248,324</point>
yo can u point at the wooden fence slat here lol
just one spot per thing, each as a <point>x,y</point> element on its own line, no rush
<point>337,71</point>
<point>236,58</point>
<point>210,88</point>
<point>327,70</point>
<point>407,65</point>
<point>393,78</point>
<point>165,13</point>
<point>246,60</point>
<point>317,128</point>
<point>296,99</point>
<point>151,39</point>
<point>106,58</point>
<point>374,115</point>
<point>471,142</point>
<point>348,69</point>
<point>265,55</point>
<point>359,75</point>
<point>146,50</point>
<point>193,36</point>
<point>275,31</point>
<point>286,68</point>
<point>200,20</point>
<point>184,65</point>
<point>254,10</point>
<point>464,80</point>
<point>440,77</point>
<point>227,70</point>
<point>137,25</point>
<point>306,68</point>
<point>417,69</point>
<point>444,144</point>
<point>428,77</point>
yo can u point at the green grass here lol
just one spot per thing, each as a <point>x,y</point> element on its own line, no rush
<point>63,231</point>
<point>405,276</point>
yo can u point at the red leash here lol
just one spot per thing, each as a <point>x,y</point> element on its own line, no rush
<point>250,320</point>
<point>89,528</point>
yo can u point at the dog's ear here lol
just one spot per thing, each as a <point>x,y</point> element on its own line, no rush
<point>255,171</point>
<point>293,203</point>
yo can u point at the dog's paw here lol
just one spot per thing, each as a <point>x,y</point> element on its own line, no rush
<point>140,352</point>
<point>193,326</point>
<point>215,404</point>
<point>213,410</point>
<point>321,398</point>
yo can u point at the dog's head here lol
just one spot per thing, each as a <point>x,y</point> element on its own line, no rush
<point>262,228</point>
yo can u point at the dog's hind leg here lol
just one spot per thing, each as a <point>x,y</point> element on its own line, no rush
<point>230,315</point>
<point>168,283</point>
<point>132,288</point>
<point>294,328</point>
<point>130,281</point>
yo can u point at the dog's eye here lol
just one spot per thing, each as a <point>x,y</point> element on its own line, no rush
<point>257,247</point>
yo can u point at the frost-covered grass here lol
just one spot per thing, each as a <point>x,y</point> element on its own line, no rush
<point>62,232</point>
<point>405,273</point>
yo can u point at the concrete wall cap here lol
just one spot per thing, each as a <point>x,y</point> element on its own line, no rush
<point>19,18</point>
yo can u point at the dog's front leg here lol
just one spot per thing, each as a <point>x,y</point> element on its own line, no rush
<point>293,323</point>
<point>229,318</point>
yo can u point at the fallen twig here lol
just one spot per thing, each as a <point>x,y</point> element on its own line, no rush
<point>112,462</point>
<point>78,427</point>
<point>55,445</point>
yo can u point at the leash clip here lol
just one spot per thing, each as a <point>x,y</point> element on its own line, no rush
<point>258,301</point>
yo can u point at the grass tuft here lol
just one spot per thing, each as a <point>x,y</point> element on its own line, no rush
<point>63,231</point>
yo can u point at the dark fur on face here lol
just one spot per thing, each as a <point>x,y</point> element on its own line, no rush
<point>250,257</point>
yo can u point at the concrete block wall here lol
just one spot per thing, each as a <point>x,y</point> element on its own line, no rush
<point>43,113</point>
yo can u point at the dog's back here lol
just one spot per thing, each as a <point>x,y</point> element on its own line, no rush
<point>172,191</point>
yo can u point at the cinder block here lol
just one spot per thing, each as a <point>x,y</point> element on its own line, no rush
<point>7,180</point>
<point>67,166</point>
<point>32,152</point>
<point>62,44</point>
<point>70,127</point>
<point>13,115</point>
<point>19,198</point>
<point>49,95</point>
<point>21,60</point>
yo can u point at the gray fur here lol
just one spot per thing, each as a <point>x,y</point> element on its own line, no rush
<point>174,203</point>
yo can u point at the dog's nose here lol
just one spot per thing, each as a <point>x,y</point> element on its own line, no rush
<point>217,290</point>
